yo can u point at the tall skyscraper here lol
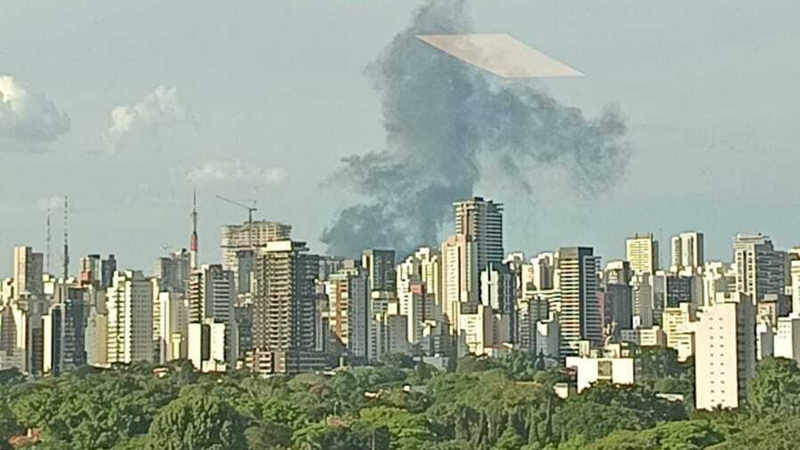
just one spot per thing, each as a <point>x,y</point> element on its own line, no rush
<point>642,252</point>
<point>65,333</point>
<point>130,318</point>
<point>28,272</point>
<point>725,352</point>
<point>580,311</point>
<point>688,251</point>
<point>284,310</point>
<point>760,269</point>
<point>460,276</point>
<point>482,221</point>
<point>380,267</point>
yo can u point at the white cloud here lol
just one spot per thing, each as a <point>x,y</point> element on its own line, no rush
<point>235,172</point>
<point>28,119</point>
<point>146,120</point>
<point>50,203</point>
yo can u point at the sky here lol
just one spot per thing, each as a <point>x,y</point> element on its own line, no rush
<point>125,106</point>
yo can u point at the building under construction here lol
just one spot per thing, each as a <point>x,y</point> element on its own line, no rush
<point>247,236</point>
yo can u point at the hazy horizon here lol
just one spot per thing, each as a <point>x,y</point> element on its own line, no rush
<point>131,105</point>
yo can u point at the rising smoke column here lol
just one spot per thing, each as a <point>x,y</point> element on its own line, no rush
<point>440,115</point>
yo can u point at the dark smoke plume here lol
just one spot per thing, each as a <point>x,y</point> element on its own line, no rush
<point>440,115</point>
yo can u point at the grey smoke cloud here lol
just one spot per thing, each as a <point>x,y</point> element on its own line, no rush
<point>440,117</point>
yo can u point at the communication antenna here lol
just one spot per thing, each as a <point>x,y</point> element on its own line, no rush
<point>66,238</point>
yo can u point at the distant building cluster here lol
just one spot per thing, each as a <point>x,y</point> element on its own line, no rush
<point>273,307</point>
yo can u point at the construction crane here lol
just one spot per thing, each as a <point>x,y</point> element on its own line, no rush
<point>250,210</point>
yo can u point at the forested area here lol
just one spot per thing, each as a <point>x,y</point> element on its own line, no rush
<point>481,404</point>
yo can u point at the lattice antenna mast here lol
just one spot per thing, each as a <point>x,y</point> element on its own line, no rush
<point>66,238</point>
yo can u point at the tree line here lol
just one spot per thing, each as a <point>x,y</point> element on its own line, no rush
<point>479,403</point>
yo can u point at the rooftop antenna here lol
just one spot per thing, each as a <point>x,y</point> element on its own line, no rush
<point>66,238</point>
<point>193,241</point>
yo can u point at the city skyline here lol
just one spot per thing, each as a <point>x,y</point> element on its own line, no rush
<point>219,250</point>
<point>146,195</point>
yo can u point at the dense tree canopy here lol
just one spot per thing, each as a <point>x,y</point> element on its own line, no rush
<point>481,404</point>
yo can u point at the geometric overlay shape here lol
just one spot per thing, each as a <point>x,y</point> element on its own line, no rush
<point>500,54</point>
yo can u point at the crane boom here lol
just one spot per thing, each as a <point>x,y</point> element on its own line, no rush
<point>241,205</point>
<point>250,210</point>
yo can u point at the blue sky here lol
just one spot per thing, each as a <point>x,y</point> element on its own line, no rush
<point>273,94</point>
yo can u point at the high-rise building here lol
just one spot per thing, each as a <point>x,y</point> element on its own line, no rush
<point>130,318</point>
<point>531,309</point>
<point>380,267</point>
<point>211,294</point>
<point>580,311</point>
<point>243,237</point>
<point>718,278</point>
<point>284,308</point>
<point>544,270</point>
<point>670,290</point>
<point>498,288</point>
<point>618,272</point>
<point>795,274</point>
<point>482,221</point>
<point>107,268</point>
<point>679,323</point>
<point>618,307</point>
<point>210,299</point>
<point>787,341</point>
<point>426,265</point>
<point>760,269</point>
<point>208,346</point>
<point>28,272</point>
<point>460,276</point>
<point>349,311</point>
<point>687,251</point>
<point>643,301</point>
<point>173,326</point>
<point>64,332</point>
<point>173,271</point>
<point>416,304</point>
<point>642,252</point>
<point>91,270</point>
<point>481,330</point>
<point>725,352</point>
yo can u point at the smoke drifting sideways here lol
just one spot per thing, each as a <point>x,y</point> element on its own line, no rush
<point>441,116</point>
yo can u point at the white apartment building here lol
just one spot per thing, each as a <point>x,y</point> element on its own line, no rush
<point>130,318</point>
<point>687,251</point>
<point>725,358</point>
<point>616,370</point>
<point>460,276</point>
<point>787,340</point>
